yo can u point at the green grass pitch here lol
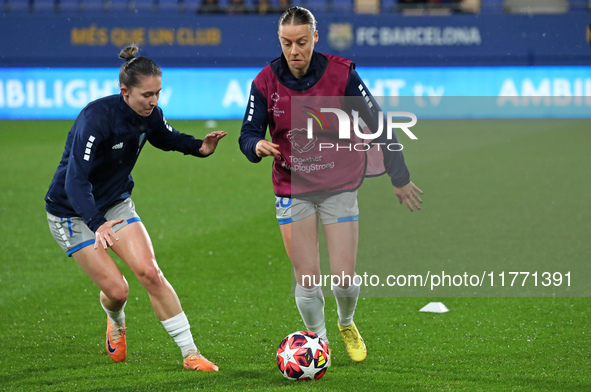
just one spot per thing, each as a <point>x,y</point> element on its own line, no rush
<point>498,194</point>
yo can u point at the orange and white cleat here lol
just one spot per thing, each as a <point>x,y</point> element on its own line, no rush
<point>196,361</point>
<point>116,342</point>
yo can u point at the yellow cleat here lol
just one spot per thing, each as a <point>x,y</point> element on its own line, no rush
<point>353,342</point>
<point>116,342</point>
<point>196,361</point>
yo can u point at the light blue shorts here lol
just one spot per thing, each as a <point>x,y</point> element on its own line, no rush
<point>72,234</point>
<point>336,208</point>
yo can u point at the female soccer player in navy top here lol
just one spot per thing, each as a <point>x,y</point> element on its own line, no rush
<point>309,184</point>
<point>89,207</point>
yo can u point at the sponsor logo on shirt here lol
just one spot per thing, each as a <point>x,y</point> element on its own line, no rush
<point>117,146</point>
<point>275,98</point>
<point>299,140</point>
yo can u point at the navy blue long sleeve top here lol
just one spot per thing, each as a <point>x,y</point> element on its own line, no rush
<point>101,150</point>
<point>255,129</point>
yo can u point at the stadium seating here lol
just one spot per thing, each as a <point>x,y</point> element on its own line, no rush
<point>315,6</point>
<point>389,5</point>
<point>93,5</point>
<point>44,6</point>
<point>191,5</point>
<point>169,5</point>
<point>16,6</point>
<point>330,6</point>
<point>118,5</point>
<point>70,6</point>
<point>537,7</point>
<point>142,6</point>
<point>340,5</point>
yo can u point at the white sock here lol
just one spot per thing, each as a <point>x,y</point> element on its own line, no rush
<point>117,317</point>
<point>178,327</point>
<point>310,303</point>
<point>346,303</point>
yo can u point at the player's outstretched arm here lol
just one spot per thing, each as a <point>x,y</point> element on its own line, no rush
<point>409,195</point>
<point>210,142</point>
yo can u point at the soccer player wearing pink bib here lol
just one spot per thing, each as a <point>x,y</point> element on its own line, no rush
<point>310,184</point>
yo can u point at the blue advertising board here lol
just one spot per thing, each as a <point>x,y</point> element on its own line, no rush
<point>390,40</point>
<point>222,93</point>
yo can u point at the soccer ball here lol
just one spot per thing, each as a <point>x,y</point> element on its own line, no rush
<point>303,355</point>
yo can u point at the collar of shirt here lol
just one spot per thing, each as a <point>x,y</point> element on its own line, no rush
<point>315,71</point>
<point>126,110</point>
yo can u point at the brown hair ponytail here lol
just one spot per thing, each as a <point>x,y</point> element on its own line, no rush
<point>135,68</point>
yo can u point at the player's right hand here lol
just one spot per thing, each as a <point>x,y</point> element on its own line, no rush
<point>105,234</point>
<point>265,148</point>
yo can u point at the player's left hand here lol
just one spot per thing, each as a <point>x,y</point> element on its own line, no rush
<point>105,234</point>
<point>210,142</point>
<point>409,195</point>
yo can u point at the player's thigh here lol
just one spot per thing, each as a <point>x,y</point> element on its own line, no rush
<point>103,271</point>
<point>342,240</point>
<point>304,246</point>
<point>339,214</point>
<point>297,220</point>
<point>286,236</point>
<point>135,249</point>
<point>134,246</point>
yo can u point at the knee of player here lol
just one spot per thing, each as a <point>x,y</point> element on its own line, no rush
<point>151,275</point>
<point>118,292</point>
